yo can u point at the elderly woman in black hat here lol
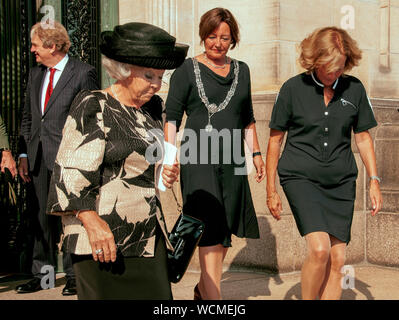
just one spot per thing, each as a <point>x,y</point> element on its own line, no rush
<point>103,182</point>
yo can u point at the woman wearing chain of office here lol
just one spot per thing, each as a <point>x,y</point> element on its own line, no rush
<point>214,91</point>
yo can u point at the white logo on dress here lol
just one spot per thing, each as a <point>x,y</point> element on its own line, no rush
<point>348,103</point>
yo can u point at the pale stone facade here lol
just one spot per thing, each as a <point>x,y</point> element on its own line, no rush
<point>272,29</point>
<point>270,33</point>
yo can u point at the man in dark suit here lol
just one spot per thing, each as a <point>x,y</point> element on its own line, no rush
<point>51,89</point>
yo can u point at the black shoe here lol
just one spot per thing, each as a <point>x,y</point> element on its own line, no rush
<point>29,287</point>
<point>70,288</point>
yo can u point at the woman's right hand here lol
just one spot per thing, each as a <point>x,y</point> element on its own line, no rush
<point>23,169</point>
<point>275,205</point>
<point>100,236</point>
<point>170,174</point>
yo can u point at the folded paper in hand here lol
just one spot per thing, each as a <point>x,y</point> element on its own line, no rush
<point>169,159</point>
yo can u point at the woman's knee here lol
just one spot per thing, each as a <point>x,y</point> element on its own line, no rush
<point>318,244</point>
<point>320,254</point>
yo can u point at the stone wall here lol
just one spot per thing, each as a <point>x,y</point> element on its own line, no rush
<point>382,232</point>
<point>272,29</point>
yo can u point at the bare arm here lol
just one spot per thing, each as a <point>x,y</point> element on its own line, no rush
<point>273,153</point>
<point>170,174</point>
<point>365,145</point>
<point>251,138</point>
<point>170,133</point>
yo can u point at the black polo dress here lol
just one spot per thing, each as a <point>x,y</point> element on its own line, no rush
<point>317,168</point>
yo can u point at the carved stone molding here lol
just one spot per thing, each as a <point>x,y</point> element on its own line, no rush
<point>162,13</point>
<point>384,55</point>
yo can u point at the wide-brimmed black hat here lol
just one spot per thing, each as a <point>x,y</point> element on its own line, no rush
<point>144,45</point>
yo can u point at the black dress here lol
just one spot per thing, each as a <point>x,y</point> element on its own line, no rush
<point>214,179</point>
<point>317,168</point>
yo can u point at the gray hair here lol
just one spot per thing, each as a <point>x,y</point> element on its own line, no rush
<point>115,69</point>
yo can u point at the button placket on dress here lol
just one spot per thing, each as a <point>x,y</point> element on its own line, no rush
<point>327,111</point>
<point>326,127</point>
<point>325,133</point>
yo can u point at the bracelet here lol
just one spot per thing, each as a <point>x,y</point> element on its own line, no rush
<point>375,178</point>
<point>258,153</point>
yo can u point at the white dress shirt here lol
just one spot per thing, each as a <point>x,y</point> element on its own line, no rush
<point>59,67</point>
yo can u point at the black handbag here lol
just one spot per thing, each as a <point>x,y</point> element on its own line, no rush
<point>184,238</point>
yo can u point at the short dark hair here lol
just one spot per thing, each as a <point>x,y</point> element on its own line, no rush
<point>211,19</point>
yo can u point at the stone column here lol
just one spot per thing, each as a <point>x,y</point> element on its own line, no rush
<point>162,13</point>
<point>384,34</point>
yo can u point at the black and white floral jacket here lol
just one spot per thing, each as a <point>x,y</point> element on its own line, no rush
<point>101,165</point>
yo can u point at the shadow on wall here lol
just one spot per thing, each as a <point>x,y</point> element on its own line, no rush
<point>258,255</point>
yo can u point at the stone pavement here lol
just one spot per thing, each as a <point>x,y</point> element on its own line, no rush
<point>371,283</point>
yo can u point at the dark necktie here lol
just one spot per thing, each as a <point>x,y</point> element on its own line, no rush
<point>49,88</point>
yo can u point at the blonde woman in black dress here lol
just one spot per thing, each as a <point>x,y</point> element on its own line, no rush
<point>319,109</point>
<point>215,93</point>
<point>103,182</point>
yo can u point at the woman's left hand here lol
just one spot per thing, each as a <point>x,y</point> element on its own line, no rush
<point>375,197</point>
<point>260,168</point>
<point>170,174</point>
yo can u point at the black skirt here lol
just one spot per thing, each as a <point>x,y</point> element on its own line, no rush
<point>221,199</point>
<point>128,278</point>
<point>320,208</point>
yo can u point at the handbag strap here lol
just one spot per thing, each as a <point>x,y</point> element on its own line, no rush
<point>179,206</point>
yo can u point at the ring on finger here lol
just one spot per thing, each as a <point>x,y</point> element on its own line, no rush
<point>99,251</point>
